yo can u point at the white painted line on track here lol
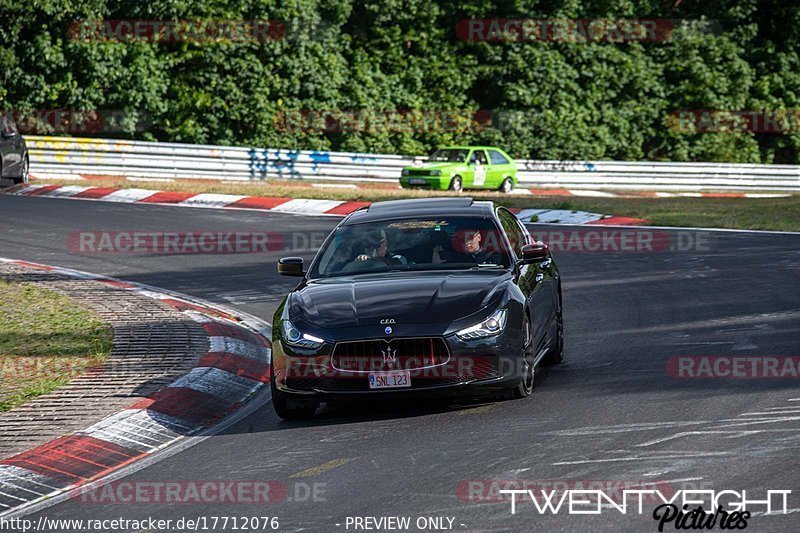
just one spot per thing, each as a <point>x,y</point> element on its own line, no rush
<point>304,206</point>
<point>219,383</point>
<point>591,194</point>
<point>335,185</point>
<point>237,347</point>
<point>66,191</point>
<point>128,195</point>
<point>212,200</point>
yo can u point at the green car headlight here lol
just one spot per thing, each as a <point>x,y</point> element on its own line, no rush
<point>405,172</point>
<point>436,172</point>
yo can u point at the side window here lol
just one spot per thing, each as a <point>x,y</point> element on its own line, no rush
<point>511,227</point>
<point>497,158</point>
<point>478,156</point>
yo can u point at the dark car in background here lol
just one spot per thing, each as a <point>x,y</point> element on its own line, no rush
<point>14,159</point>
<point>417,297</point>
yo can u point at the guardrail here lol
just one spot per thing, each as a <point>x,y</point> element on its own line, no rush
<point>138,159</point>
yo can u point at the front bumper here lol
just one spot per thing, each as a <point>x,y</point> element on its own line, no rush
<point>426,182</point>
<point>472,367</point>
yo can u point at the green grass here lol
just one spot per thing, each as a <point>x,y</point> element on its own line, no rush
<point>777,214</point>
<point>46,339</point>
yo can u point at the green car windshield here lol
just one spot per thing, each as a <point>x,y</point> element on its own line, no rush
<point>442,243</point>
<point>450,155</point>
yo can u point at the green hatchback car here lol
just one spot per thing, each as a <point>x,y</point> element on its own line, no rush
<point>464,167</point>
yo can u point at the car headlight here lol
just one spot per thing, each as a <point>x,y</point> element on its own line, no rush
<point>294,337</point>
<point>436,172</point>
<point>488,328</point>
<point>405,172</point>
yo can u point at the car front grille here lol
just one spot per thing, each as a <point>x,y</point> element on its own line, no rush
<point>395,354</point>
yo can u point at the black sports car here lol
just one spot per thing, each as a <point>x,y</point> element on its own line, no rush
<point>422,297</point>
<point>14,159</point>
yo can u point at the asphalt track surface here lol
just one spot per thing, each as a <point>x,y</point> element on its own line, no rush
<point>611,412</point>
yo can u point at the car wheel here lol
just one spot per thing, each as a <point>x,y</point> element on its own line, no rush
<point>555,355</point>
<point>507,186</point>
<point>525,386</point>
<point>456,184</point>
<point>283,405</point>
<point>23,178</point>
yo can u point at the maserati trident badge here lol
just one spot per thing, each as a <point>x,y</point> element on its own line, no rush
<point>389,356</point>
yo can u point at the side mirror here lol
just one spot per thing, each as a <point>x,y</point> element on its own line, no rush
<point>290,266</point>
<point>9,134</point>
<point>532,253</point>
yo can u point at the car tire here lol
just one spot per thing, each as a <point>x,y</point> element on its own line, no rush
<point>281,404</point>
<point>555,355</point>
<point>456,185</point>
<point>23,178</point>
<point>526,382</point>
<point>507,187</point>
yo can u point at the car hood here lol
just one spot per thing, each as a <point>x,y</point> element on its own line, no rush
<point>405,298</point>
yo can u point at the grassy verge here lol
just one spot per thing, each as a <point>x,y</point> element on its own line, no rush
<point>777,214</point>
<point>46,339</point>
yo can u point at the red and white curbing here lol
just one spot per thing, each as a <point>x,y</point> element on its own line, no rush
<point>297,206</point>
<point>185,199</point>
<point>233,370</point>
<point>586,193</point>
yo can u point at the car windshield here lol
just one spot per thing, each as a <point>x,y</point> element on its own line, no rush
<point>450,155</point>
<point>419,244</point>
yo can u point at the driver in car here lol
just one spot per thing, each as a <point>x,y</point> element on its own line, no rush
<point>378,250</point>
<point>475,250</point>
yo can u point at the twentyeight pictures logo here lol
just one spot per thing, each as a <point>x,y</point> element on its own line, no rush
<point>686,505</point>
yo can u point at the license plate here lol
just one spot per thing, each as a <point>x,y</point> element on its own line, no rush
<point>417,181</point>
<point>390,380</point>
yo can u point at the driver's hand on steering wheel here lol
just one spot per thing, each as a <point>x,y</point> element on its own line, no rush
<point>362,257</point>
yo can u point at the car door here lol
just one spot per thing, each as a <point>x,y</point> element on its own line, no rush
<point>531,278</point>
<point>478,166</point>
<point>550,281</point>
<point>499,169</point>
<point>10,145</point>
<point>6,147</point>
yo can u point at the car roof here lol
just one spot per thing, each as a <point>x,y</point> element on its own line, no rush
<point>414,208</point>
<point>466,147</point>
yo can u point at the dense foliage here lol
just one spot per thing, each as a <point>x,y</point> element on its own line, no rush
<point>553,99</point>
